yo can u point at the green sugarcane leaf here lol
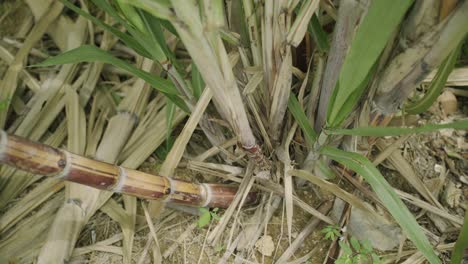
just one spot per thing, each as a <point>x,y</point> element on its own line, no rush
<point>396,131</point>
<point>110,10</point>
<point>87,53</point>
<point>139,41</point>
<point>154,29</point>
<point>437,84</point>
<point>371,37</point>
<point>301,119</point>
<point>318,34</point>
<point>387,196</point>
<point>167,25</point>
<point>161,8</point>
<point>170,111</point>
<point>351,102</point>
<point>127,39</point>
<point>197,82</point>
<point>461,244</point>
<point>131,14</point>
<point>143,38</point>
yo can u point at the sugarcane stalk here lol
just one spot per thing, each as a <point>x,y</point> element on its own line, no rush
<point>410,68</point>
<point>45,160</point>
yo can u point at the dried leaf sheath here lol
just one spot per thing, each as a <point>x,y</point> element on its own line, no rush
<point>45,160</point>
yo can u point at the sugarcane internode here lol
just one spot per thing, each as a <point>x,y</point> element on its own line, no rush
<point>41,159</point>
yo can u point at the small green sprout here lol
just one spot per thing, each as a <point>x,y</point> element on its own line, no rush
<point>353,253</point>
<point>358,252</point>
<point>4,104</point>
<point>219,248</point>
<point>331,232</point>
<point>206,216</point>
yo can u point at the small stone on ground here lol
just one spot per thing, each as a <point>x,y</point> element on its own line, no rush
<point>265,245</point>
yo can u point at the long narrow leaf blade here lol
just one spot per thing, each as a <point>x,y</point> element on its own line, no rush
<point>127,39</point>
<point>87,53</point>
<point>151,46</point>
<point>387,196</point>
<point>397,131</point>
<point>437,84</point>
<point>154,28</point>
<point>380,22</point>
<point>301,119</point>
<point>299,27</point>
<point>170,112</point>
<point>318,34</point>
<point>461,244</point>
<point>197,82</point>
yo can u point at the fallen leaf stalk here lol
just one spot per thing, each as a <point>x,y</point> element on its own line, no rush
<point>45,160</point>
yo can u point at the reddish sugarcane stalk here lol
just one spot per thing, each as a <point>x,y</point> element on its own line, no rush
<point>45,160</point>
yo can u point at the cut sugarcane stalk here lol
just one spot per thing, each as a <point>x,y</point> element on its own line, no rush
<point>45,160</point>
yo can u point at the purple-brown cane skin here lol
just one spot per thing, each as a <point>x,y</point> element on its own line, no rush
<point>145,185</point>
<point>81,176</point>
<point>222,195</point>
<point>41,159</point>
<point>32,157</point>
<point>142,193</point>
<point>92,173</point>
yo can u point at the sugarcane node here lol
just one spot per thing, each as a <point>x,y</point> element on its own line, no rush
<point>187,193</point>
<point>221,195</point>
<point>168,189</point>
<point>74,201</point>
<point>30,156</point>
<point>97,174</point>
<point>62,163</point>
<point>66,166</point>
<point>255,153</point>
<point>132,115</point>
